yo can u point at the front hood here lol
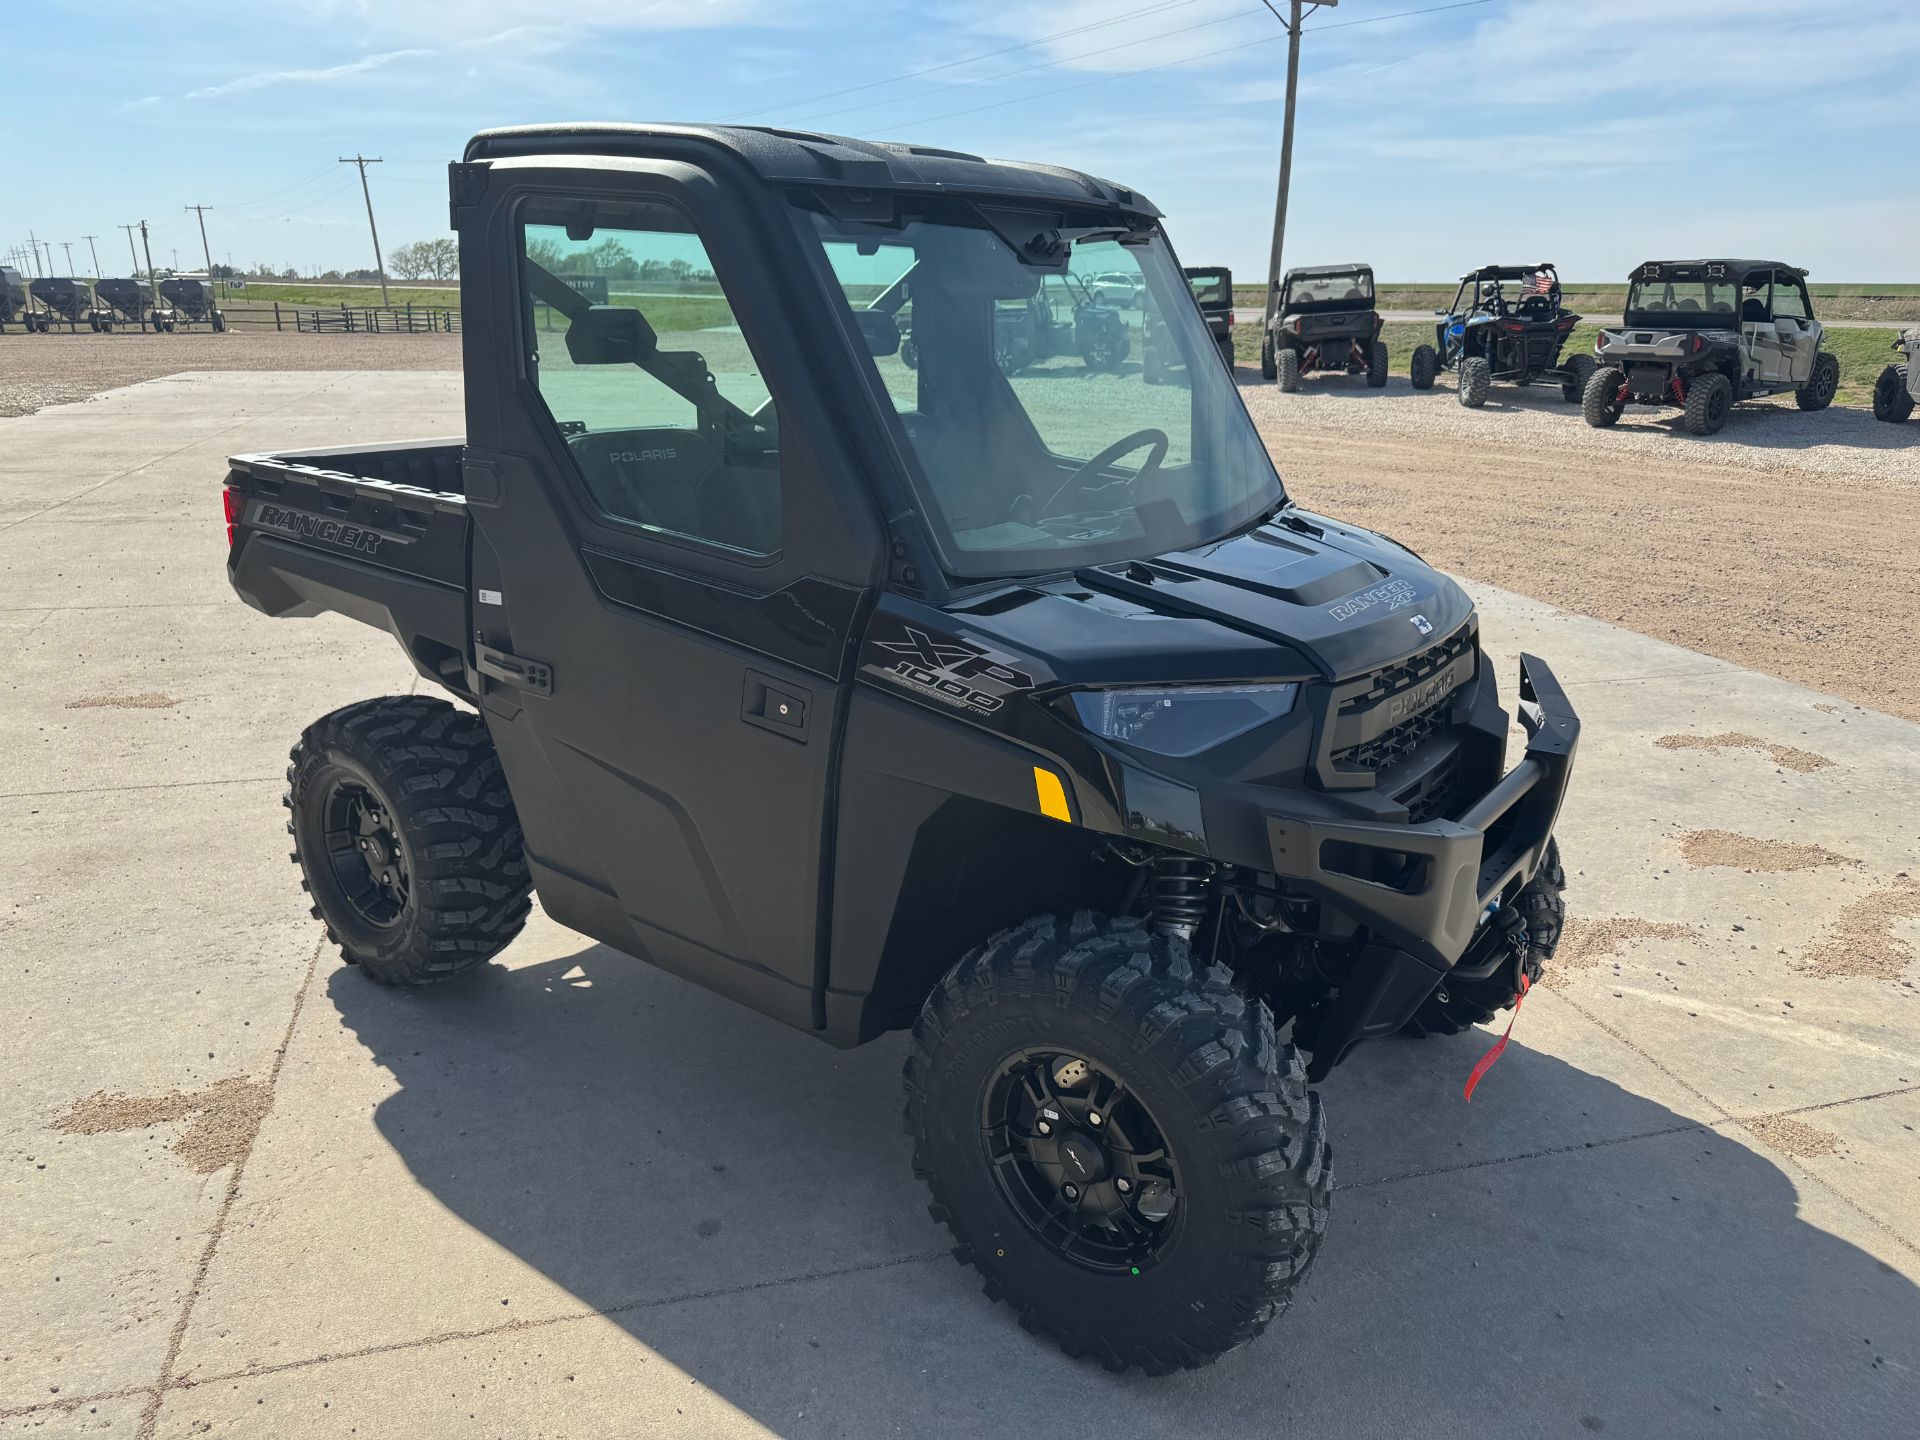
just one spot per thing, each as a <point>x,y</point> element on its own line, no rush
<point>1299,597</point>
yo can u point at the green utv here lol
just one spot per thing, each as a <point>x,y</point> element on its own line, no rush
<point>1023,711</point>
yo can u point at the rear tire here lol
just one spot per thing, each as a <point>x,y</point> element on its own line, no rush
<point>407,838</point>
<point>1377,366</point>
<point>1268,367</point>
<point>1708,402</point>
<point>1476,380</point>
<point>1892,400</point>
<point>1540,908</point>
<point>1600,403</point>
<point>1573,389</point>
<point>1425,365</point>
<point>1203,1077</point>
<point>1289,363</point>
<point>1822,384</point>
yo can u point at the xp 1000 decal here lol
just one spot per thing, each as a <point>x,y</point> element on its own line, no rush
<point>940,666</point>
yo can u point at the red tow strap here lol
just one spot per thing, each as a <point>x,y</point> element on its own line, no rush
<point>1486,1060</point>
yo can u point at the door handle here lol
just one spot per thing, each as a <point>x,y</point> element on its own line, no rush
<point>777,706</point>
<point>533,676</point>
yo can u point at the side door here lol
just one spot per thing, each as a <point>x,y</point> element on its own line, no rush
<point>1798,336</point>
<point>670,563</point>
<point>1760,338</point>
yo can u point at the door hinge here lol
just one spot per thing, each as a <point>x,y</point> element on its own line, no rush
<point>533,676</point>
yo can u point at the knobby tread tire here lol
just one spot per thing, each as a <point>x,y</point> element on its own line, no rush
<point>1579,371</point>
<point>1249,1138</point>
<point>1822,384</point>
<point>1709,402</point>
<point>1892,400</point>
<point>1459,1006</point>
<point>1289,368</point>
<point>1423,367</point>
<point>435,769</point>
<point>1377,366</point>
<point>1600,403</point>
<point>1476,381</point>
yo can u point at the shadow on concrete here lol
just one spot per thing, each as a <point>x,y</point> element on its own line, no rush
<point>1561,1258</point>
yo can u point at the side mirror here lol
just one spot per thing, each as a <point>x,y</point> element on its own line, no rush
<point>880,330</point>
<point>610,335</point>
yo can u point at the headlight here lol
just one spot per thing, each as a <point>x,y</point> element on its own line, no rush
<point>1182,719</point>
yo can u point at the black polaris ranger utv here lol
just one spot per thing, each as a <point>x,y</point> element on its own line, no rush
<point>1212,287</point>
<point>1702,334</point>
<point>1323,319</point>
<point>1506,323</point>
<point>1024,712</point>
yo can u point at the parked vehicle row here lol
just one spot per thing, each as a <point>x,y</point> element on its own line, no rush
<point>105,305</point>
<point>1699,335</point>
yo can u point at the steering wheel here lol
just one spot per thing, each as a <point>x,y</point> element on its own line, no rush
<point>1125,445</point>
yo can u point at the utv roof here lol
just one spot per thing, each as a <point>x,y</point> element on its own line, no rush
<point>1732,267</point>
<point>1508,272</point>
<point>802,157</point>
<point>1310,272</point>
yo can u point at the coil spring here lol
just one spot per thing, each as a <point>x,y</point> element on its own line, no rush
<point>1179,889</point>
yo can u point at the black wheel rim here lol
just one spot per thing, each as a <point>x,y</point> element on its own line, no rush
<point>1081,1161</point>
<point>1717,405</point>
<point>365,857</point>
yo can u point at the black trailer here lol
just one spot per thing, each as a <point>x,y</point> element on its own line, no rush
<point>192,303</point>
<point>62,300</point>
<point>13,297</point>
<point>122,302</point>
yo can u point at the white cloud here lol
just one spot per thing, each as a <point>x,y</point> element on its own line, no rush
<point>261,80</point>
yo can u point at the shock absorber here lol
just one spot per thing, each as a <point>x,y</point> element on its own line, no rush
<point>1179,894</point>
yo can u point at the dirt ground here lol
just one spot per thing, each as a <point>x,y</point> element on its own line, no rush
<point>1789,543</point>
<point>38,370</point>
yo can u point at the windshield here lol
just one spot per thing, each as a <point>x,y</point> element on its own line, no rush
<point>1211,289</point>
<point>1349,287</point>
<point>1680,302</point>
<point>1054,420</point>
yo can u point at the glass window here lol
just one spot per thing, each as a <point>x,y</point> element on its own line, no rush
<point>1659,302</point>
<point>1210,287</point>
<point>663,410</point>
<point>1349,287</point>
<point>1058,417</point>
<point>1789,300</point>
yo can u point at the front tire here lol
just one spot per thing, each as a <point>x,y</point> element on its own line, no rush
<point>1540,911</point>
<point>1573,389</point>
<point>1708,403</point>
<point>1269,368</point>
<point>407,838</point>
<point>1476,380</point>
<point>1118,1143</point>
<point>1289,362</point>
<point>1892,400</point>
<point>1424,366</point>
<point>1822,384</point>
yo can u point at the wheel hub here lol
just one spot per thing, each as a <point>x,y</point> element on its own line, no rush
<point>365,857</point>
<point>1080,1160</point>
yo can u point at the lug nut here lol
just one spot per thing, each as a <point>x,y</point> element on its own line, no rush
<point>1070,1190</point>
<point>1093,1118</point>
<point>1123,1185</point>
<point>1044,1128</point>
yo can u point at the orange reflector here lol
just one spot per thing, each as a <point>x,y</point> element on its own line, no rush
<point>1052,795</point>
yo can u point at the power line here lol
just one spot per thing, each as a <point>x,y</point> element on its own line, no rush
<point>1041,65</point>
<point>1402,15</point>
<point>956,64</point>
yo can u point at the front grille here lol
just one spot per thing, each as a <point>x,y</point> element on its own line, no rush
<point>1392,746</point>
<point>1432,795</point>
<point>1410,672</point>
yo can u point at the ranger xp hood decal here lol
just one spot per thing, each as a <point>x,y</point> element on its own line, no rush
<point>1395,595</point>
<point>942,667</point>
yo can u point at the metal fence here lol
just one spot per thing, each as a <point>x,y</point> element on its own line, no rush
<point>347,319</point>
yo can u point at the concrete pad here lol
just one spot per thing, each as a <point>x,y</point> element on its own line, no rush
<point>1866,1151</point>
<point>94,1419</point>
<point>1672,1286</point>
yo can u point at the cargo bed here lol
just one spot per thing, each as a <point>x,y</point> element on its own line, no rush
<point>375,533</point>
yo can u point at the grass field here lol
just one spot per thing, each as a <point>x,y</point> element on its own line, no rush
<point>1862,353</point>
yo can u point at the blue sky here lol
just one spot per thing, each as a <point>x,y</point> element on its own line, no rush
<point>1592,135</point>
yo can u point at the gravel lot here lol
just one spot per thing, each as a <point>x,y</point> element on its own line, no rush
<point>1778,544</point>
<point>38,370</point>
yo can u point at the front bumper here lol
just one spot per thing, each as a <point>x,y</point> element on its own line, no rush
<point>1447,876</point>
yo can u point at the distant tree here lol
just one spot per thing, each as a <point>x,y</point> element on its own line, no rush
<point>681,268</point>
<point>442,257</point>
<point>547,254</point>
<point>409,262</point>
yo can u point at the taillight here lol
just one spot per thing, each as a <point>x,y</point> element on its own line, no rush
<point>232,504</point>
<point>1696,344</point>
<point>1229,319</point>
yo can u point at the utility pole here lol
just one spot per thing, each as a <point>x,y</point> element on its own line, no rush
<point>67,245</point>
<point>153,285</point>
<point>1286,155</point>
<point>201,211</point>
<point>33,242</point>
<point>93,252</point>
<point>131,251</point>
<point>378,264</point>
